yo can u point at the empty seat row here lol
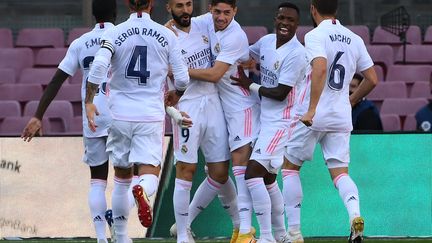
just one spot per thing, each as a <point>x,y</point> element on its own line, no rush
<point>392,122</point>
<point>400,89</point>
<point>33,75</point>
<point>13,126</point>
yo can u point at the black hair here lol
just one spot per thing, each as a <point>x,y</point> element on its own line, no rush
<point>233,3</point>
<point>137,5</point>
<point>104,10</point>
<point>289,5</point>
<point>358,77</point>
<point>326,7</point>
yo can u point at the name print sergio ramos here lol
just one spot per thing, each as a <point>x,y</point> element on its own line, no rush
<point>144,31</point>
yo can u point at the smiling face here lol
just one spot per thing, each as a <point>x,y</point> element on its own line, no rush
<point>222,14</point>
<point>286,22</point>
<point>181,11</point>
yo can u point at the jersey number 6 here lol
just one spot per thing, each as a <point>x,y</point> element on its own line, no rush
<point>341,70</point>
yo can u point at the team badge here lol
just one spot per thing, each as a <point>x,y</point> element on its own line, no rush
<point>276,65</point>
<point>217,48</point>
<point>184,149</point>
<point>205,39</point>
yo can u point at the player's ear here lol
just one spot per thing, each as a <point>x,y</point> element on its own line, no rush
<point>235,10</point>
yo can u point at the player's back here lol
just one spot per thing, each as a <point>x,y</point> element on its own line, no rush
<point>140,62</point>
<point>345,53</point>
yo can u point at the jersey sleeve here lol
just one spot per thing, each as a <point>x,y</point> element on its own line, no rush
<point>179,68</point>
<point>292,68</point>
<point>315,46</point>
<point>70,62</point>
<point>364,61</point>
<point>254,50</point>
<point>203,21</point>
<point>234,47</point>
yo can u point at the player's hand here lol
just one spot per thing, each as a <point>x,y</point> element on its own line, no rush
<point>307,118</point>
<point>169,24</point>
<point>186,122</point>
<point>91,111</point>
<point>249,64</point>
<point>171,98</point>
<point>33,127</point>
<point>242,80</point>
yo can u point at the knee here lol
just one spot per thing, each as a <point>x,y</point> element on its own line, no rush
<point>185,171</point>
<point>220,176</point>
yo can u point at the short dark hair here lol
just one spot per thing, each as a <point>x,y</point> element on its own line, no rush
<point>137,5</point>
<point>358,77</point>
<point>229,2</point>
<point>289,5</point>
<point>326,7</point>
<point>104,10</point>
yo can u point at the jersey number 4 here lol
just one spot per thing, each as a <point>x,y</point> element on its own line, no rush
<point>340,69</point>
<point>137,66</point>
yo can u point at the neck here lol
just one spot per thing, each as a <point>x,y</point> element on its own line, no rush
<point>280,42</point>
<point>184,29</point>
<point>322,18</point>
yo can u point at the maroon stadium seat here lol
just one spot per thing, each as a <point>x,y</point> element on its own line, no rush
<point>36,76</point>
<point>382,36</point>
<point>380,72</point>
<point>362,31</point>
<point>6,39</point>
<point>76,79</point>
<point>421,90</point>
<point>301,32</point>
<point>388,90</point>
<point>75,33</point>
<point>410,123</point>
<point>38,38</point>
<point>50,57</point>
<point>75,126</point>
<point>9,108</point>
<point>13,126</point>
<point>390,122</point>
<point>402,107</point>
<point>16,58</point>
<point>20,92</point>
<point>57,108</point>
<point>382,55</point>
<point>415,54</point>
<point>409,73</point>
<point>7,76</point>
<point>254,33</point>
<point>69,92</point>
<point>428,36</point>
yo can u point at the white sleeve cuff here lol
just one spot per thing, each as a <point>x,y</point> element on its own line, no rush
<point>254,88</point>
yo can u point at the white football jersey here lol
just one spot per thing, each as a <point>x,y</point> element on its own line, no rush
<point>80,55</point>
<point>195,48</point>
<point>346,54</point>
<point>229,46</point>
<point>285,65</point>
<point>142,51</point>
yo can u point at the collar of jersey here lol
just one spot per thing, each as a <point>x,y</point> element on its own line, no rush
<point>144,16</point>
<point>107,25</point>
<point>328,22</point>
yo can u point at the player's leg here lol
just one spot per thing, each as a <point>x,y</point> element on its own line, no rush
<point>135,181</point>
<point>277,206</point>
<point>335,146</point>
<point>97,159</point>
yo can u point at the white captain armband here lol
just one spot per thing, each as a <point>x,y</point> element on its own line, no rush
<point>106,44</point>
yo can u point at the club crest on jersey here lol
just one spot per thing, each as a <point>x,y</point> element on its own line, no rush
<point>217,48</point>
<point>184,149</point>
<point>276,65</point>
<point>205,39</point>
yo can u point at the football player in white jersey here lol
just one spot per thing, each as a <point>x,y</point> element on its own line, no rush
<point>229,46</point>
<point>140,52</point>
<point>79,56</point>
<point>283,64</point>
<point>201,102</point>
<point>335,55</point>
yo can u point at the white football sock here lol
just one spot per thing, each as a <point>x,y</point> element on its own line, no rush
<point>205,193</point>
<point>149,183</point>
<point>228,198</point>
<point>98,206</point>
<point>277,210</point>
<point>262,206</point>
<point>244,199</point>
<point>349,193</point>
<point>135,181</point>
<point>120,208</point>
<point>293,196</point>
<point>181,207</point>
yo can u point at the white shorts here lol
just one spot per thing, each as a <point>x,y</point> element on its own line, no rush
<point>95,151</point>
<point>270,147</point>
<point>334,145</point>
<point>243,126</point>
<point>135,142</point>
<point>208,131</point>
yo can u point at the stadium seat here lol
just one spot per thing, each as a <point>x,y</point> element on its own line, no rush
<point>9,108</point>
<point>6,38</point>
<point>421,90</point>
<point>380,72</point>
<point>409,73</point>
<point>362,31</point>
<point>410,123</point>
<point>388,90</point>
<point>71,93</point>
<point>20,92</point>
<point>16,58</point>
<point>401,106</point>
<point>38,38</point>
<point>254,33</point>
<point>75,126</point>
<point>50,57</point>
<point>75,33</point>
<point>13,126</point>
<point>382,36</point>
<point>381,55</point>
<point>390,122</point>
<point>36,76</point>
<point>301,32</point>
<point>57,108</point>
<point>428,36</point>
<point>415,54</point>
<point>7,76</point>
<point>76,79</point>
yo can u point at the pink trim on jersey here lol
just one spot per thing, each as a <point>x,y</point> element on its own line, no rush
<point>248,122</point>
<point>306,88</point>
<point>176,137</point>
<point>291,128</point>
<point>286,173</point>
<point>253,182</point>
<point>122,181</point>
<point>213,183</point>
<point>184,184</point>
<point>238,172</point>
<point>246,92</point>
<point>335,181</point>
<point>271,186</point>
<point>275,141</point>
<point>290,103</point>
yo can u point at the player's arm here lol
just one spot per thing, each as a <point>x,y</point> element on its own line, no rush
<point>178,67</point>
<point>181,118</point>
<point>366,86</point>
<point>35,124</point>
<point>213,74</point>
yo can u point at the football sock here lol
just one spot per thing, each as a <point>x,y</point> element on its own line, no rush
<point>181,207</point>
<point>244,199</point>
<point>277,210</point>
<point>293,196</point>
<point>228,198</point>
<point>349,193</point>
<point>205,193</point>
<point>120,207</point>
<point>98,206</point>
